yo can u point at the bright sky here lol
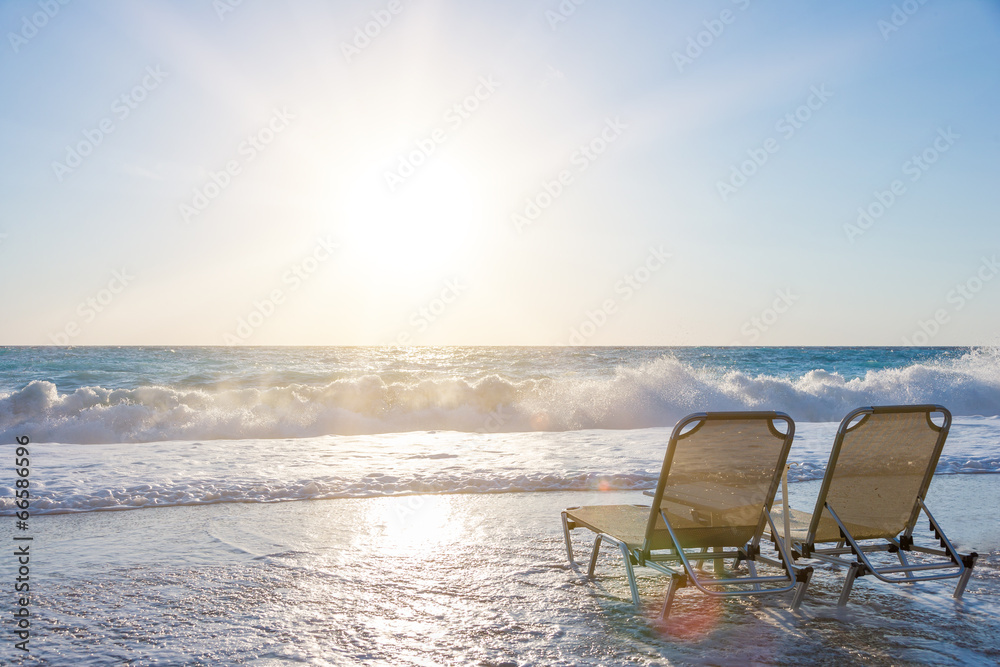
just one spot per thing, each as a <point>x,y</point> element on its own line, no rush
<point>500,173</point>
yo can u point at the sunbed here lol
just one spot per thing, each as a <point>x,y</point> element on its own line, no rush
<point>872,496</point>
<point>716,487</point>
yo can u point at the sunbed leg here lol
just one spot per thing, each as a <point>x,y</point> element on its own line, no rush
<point>701,563</point>
<point>802,576</point>
<point>719,565</point>
<point>569,544</point>
<point>970,562</point>
<point>631,575</point>
<point>849,583</point>
<point>752,566</point>
<point>904,563</point>
<point>677,582</point>
<point>593,557</point>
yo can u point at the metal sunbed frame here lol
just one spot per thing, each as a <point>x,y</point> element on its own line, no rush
<point>728,519</point>
<point>853,535</point>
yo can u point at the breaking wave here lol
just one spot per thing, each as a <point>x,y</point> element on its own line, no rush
<point>653,394</point>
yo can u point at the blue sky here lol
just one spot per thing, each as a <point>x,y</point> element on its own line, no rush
<point>525,173</point>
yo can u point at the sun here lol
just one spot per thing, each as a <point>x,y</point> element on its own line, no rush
<point>421,228</point>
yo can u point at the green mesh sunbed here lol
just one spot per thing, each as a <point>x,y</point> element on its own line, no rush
<point>872,496</point>
<point>718,482</point>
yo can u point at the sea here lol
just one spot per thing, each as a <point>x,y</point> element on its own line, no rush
<point>399,505</point>
<point>138,427</point>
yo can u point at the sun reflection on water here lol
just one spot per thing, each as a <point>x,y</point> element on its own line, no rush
<point>417,523</point>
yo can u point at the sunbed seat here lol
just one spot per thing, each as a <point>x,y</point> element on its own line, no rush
<point>873,490</point>
<point>716,486</point>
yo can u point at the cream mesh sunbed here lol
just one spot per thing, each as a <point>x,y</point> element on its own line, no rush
<point>718,481</point>
<point>872,495</point>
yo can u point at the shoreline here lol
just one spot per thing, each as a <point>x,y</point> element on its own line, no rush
<point>792,484</point>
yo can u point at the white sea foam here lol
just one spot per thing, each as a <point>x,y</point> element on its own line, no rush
<point>652,394</point>
<point>85,478</point>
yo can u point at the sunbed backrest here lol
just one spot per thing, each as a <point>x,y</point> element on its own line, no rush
<point>883,459</point>
<point>722,470</point>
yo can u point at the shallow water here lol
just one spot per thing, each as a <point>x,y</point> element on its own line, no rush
<point>429,580</point>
